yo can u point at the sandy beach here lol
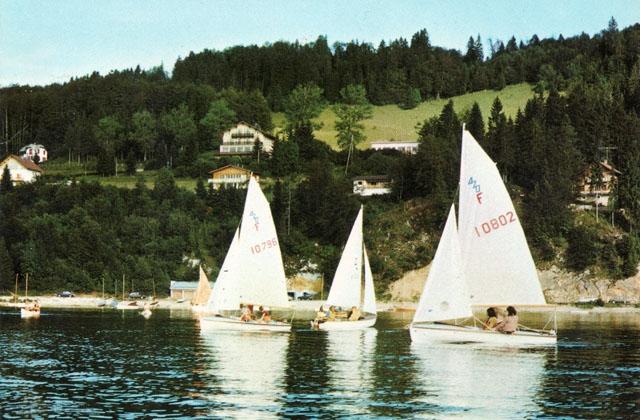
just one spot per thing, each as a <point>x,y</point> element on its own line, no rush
<point>90,301</point>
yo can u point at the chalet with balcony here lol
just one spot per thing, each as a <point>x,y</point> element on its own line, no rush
<point>597,184</point>
<point>241,140</point>
<point>230,176</point>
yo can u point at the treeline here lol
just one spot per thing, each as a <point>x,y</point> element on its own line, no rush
<point>253,81</point>
<point>406,71</point>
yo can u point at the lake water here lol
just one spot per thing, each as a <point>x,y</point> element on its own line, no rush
<point>72,363</point>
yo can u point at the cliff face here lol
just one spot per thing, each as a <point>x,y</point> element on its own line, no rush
<point>560,286</point>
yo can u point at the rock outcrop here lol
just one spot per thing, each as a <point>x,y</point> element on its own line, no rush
<point>559,286</point>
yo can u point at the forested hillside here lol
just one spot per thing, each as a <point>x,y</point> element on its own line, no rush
<point>585,108</point>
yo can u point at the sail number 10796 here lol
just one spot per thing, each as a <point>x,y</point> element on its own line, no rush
<point>259,247</point>
<point>496,223</point>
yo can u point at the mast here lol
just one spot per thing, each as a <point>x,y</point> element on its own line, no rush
<point>15,295</point>
<point>26,287</point>
<point>123,287</point>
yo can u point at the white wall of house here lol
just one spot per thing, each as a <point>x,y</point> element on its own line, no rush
<point>366,189</point>
<point>241,140</point>
<point>30,151</point>
<point>18,172</point>
<point>230,180</point>
<point>410,147</point>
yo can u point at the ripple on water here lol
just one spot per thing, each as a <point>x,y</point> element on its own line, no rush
<point>108,364</point>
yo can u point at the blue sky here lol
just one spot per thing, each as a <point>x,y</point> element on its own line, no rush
<point>42,42</point>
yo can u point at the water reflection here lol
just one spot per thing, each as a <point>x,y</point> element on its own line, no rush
<point>479,382</point>
<point>249,369</point>
<point>597,369</point>
<point>106,364</point>
<point>350,357</point>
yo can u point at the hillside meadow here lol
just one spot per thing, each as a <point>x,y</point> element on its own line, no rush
<point>390,122</point>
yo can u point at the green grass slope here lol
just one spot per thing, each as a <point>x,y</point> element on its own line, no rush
<point>390,123</point>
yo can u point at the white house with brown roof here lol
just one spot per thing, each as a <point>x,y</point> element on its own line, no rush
<point>241,139</point>
<point>21,170</point>
<point>230,176</point>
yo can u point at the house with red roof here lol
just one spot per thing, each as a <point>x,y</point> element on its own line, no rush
<point>21,170</point>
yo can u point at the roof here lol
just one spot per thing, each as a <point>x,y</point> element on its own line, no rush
<point>185,285</point>
<point>272,137</point>
<point>230,166</point>
<point>606,165</point>
<point>26,163</point>
<point>373,178</point>
<point>31,146</point>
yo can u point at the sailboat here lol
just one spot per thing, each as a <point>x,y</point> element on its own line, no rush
<point>30,310</point>
<point>202,294</point>
<point>484,261</point>
<point>252,272</point>
<point>347,289</point>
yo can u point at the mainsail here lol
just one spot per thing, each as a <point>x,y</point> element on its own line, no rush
<point>252,272</point>
<point>346,286</point>
<point>445,295</point>
<point>497,262</point>
<point>203,291</point>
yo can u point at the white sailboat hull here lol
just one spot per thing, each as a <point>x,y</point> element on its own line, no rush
<point>201,309</point>
<point>429,333</point>
<point>347,325</point>
<point>212,323</point>
<point>29,313</point>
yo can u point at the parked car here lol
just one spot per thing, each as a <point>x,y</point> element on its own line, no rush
<point>136,295</point>
<point>306,296</point>
<point>66,294</point>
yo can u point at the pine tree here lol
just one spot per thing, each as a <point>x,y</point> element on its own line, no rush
<point>6,184</point>
<point>475,123</point>
<point>201,191</point>
<point>7,275</point>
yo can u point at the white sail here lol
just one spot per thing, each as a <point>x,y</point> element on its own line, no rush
<point>223,295</point>
<point>252,272</point>
<point>346,286</point>
<point>497,262</point>
<point>445,295</point>
<point>203,291</point>
<point>369,304</point>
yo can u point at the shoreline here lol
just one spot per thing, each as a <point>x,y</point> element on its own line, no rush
<point>92,302</point>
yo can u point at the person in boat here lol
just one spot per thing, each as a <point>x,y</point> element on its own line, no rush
<point>245,313</point>
<point>252,314</point>
<point>266,316</point>
<point>510,323</point>
<point>332,313</point>
<point>492,320</point>
<point>354,314</point>
<point>321,315</point>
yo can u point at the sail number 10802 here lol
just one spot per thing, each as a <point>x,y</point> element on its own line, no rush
<point>496,223</point>
<point>259,247</point>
